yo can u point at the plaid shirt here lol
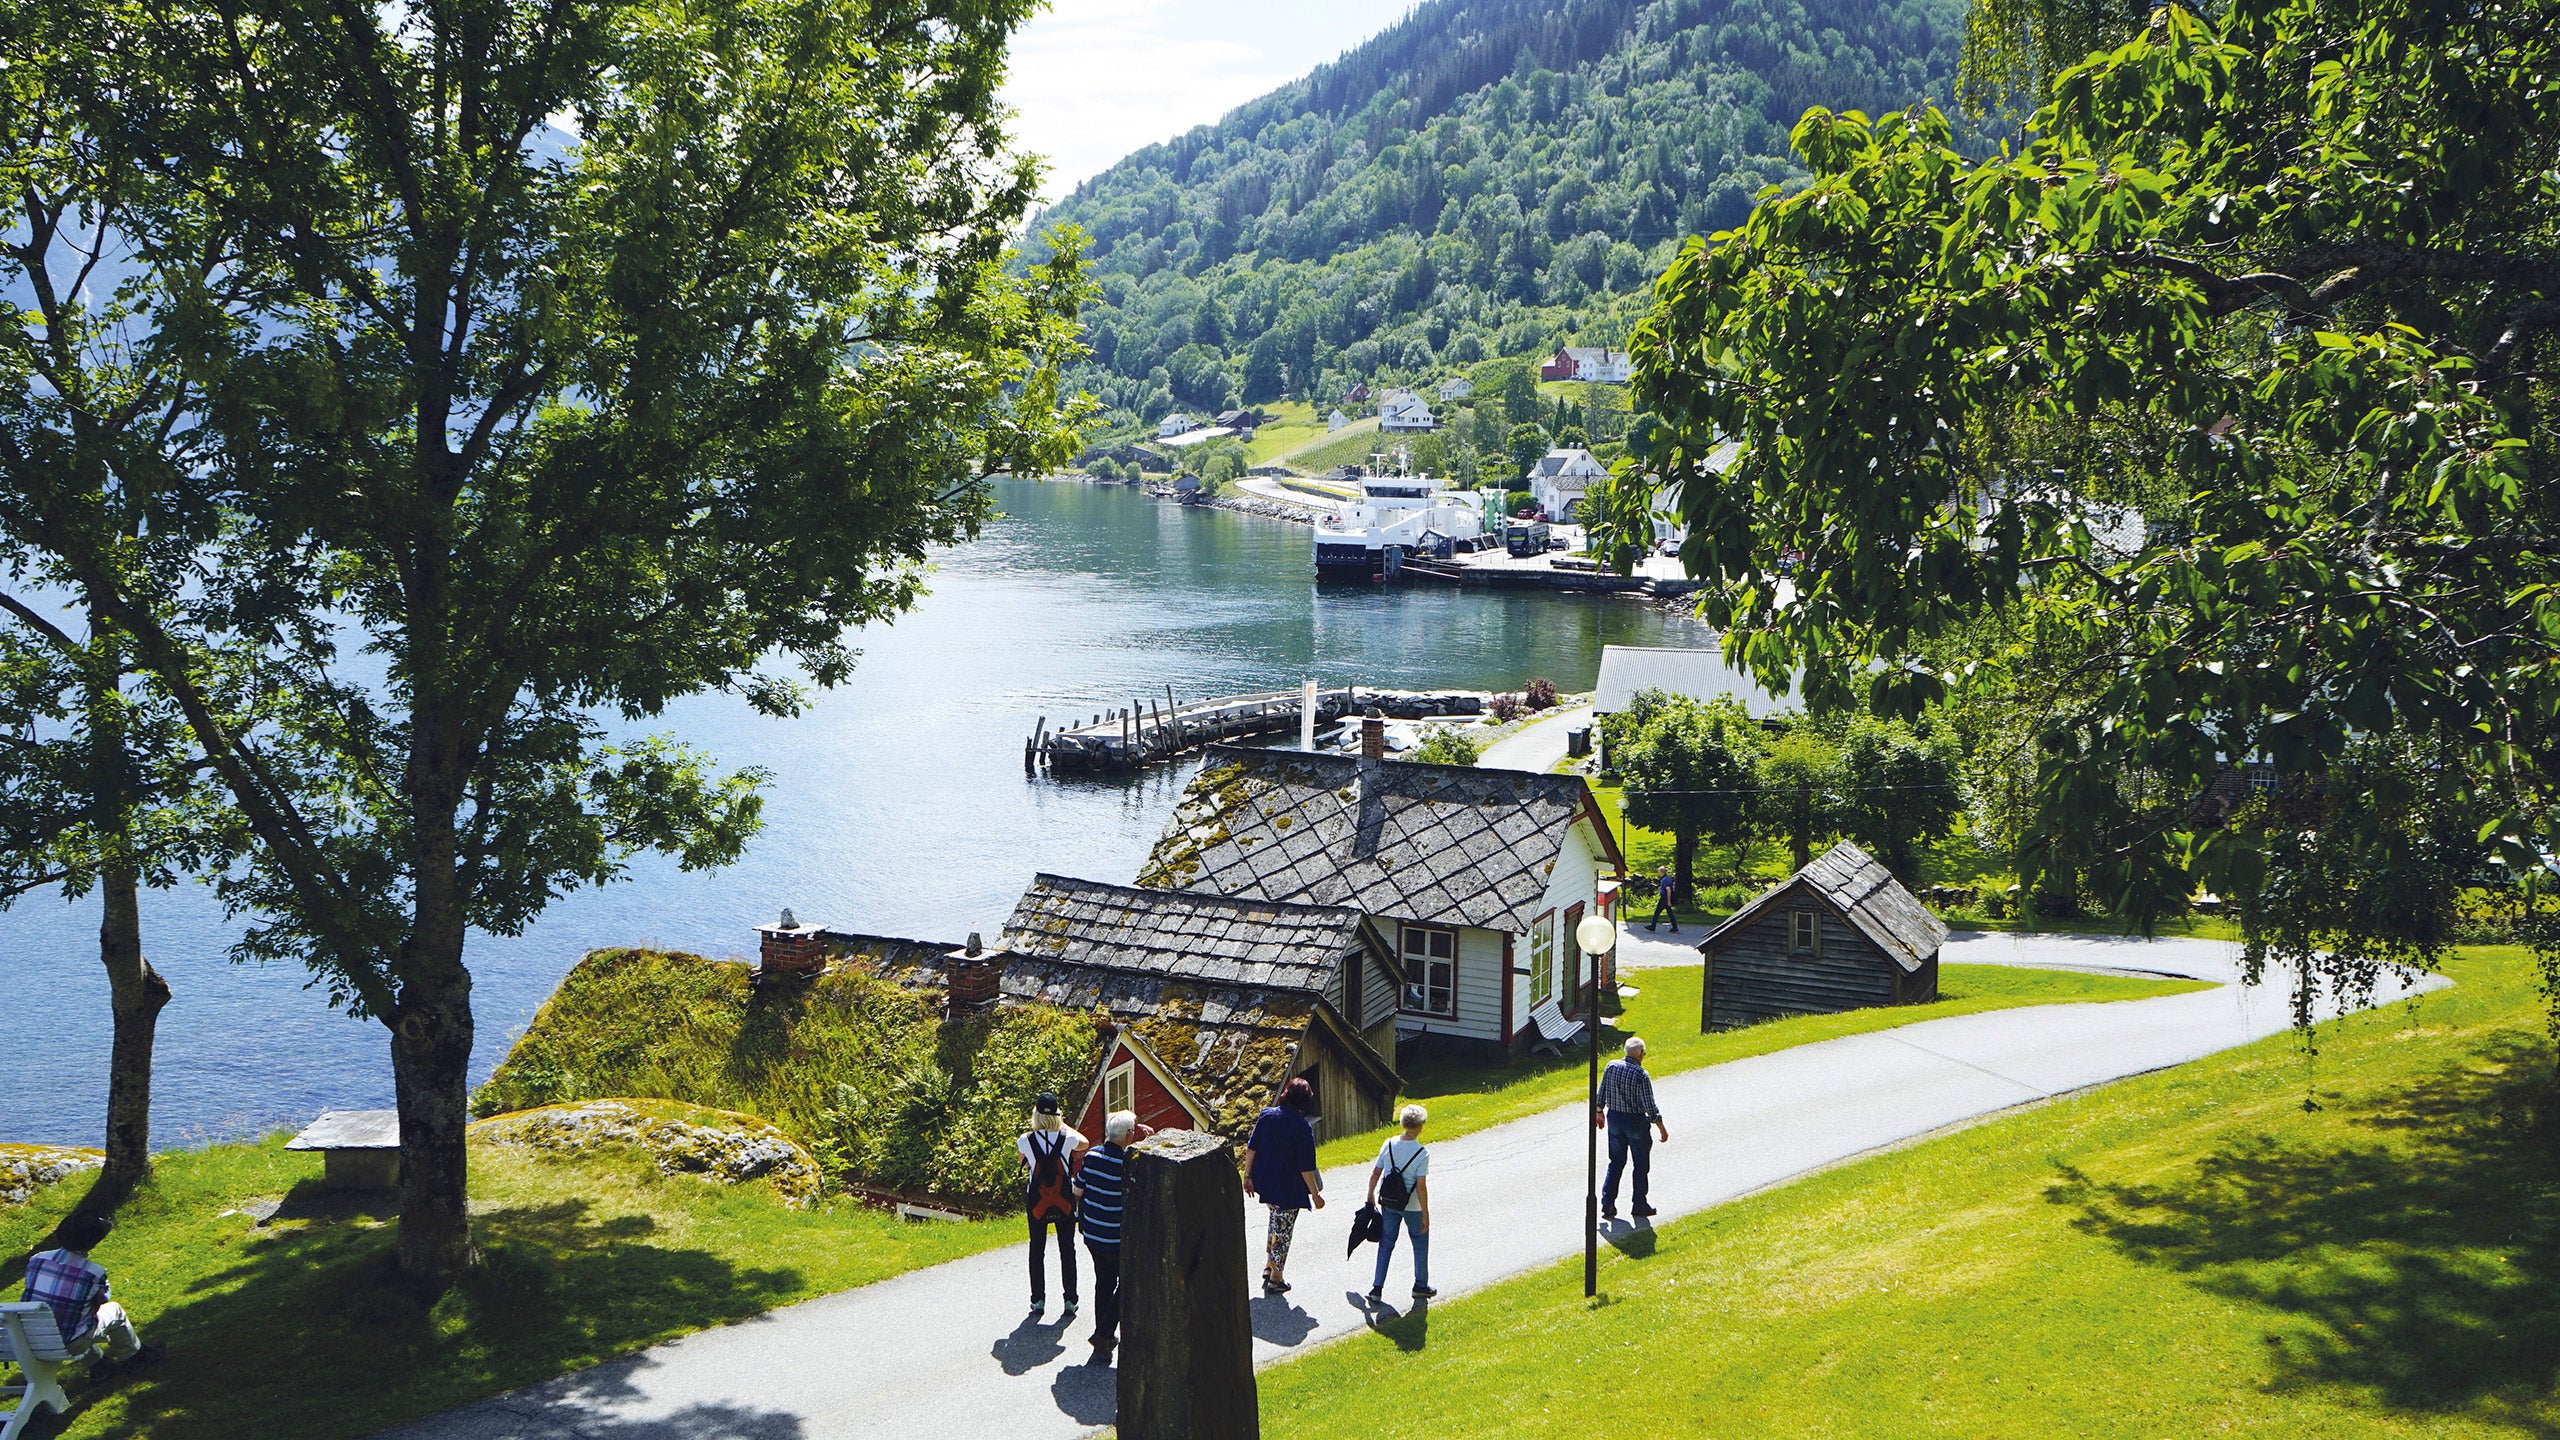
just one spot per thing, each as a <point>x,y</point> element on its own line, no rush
<point>1626,1089</point>
<point>73,1285</point>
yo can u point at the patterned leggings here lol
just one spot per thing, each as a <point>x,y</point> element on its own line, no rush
<point>1275,1247</point>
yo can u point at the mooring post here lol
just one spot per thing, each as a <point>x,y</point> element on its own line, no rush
<point>1174,708</point>
<point>1186,1348</point>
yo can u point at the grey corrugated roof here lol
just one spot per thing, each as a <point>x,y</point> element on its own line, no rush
<point>1628,670</point>
<point>1870,898</point>
<point>1437,843</point>
<point>1211,937</point>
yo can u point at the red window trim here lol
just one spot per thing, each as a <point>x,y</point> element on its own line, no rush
<point>1401,981</point>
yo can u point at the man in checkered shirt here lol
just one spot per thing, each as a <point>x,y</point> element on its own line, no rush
<point>1626,1109</point>
<point>74,1287</point>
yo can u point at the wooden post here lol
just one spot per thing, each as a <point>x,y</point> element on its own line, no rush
<point>1175,709</point>
<point>1186,1348</point>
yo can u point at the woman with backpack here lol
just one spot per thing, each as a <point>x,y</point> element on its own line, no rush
<point>1400,1188</point>
<point>1280,1171</point>
<point>1049,1150</point>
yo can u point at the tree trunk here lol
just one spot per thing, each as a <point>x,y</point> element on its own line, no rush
<point>430,1071</point>
<point>1684,854</point>
<point>1801,828</point>
<point>136,995</point>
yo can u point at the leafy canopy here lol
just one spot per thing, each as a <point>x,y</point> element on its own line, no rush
<point>2286,280</point>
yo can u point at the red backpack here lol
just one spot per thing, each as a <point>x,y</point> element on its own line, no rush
<point>1050,1196</point>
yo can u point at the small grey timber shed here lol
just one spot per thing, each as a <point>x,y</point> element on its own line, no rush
<point>1840,934</point>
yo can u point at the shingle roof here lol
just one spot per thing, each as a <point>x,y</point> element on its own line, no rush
<point>1870,898</point>
<point>1627,670</point>
<point>1191,936</point>
<point>1449,844</point>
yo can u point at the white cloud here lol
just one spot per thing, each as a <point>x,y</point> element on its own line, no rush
<point>1093,80</point>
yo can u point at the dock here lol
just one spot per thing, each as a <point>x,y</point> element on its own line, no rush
<point>1148,730</point>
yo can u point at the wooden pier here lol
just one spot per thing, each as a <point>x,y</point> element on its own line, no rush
<point>1147,730</point>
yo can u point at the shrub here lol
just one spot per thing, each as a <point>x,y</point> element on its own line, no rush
<point>1541,694</point>
<point>1504,708</point>
<point>1448,746</point>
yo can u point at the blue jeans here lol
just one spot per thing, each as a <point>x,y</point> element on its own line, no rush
<point>1628,1135</point>
<point>1410,1222</point>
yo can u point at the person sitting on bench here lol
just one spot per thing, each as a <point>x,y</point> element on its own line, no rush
<point>74,1287</point>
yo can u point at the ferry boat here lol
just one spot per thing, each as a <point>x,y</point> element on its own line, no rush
<point>1398,517</point>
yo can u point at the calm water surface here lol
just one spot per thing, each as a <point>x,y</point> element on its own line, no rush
<point>898,804</point>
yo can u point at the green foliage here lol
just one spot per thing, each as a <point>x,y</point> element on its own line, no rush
<point>1617,516</point>
<point>1688,770</point>
<point>1524,446</point>
<point>1447,745</point>
<point>1485,178</point>
<point>862,1071</point>
<point>1797,775</point>
<point>1895,792</point>
<point>2259,274</point>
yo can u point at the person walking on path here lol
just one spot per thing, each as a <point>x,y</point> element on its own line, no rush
<point>1101,1181</point>
<point>1280,1171</point>
<point>1049,1150</point>
<point>1400,1186</point>
<point>1627,1109</point>
<point>74,1288</point>
<point>1664,890</point>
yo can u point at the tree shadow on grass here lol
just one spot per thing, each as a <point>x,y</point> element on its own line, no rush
<point>2422,1269</point>
<point>311,1331</point>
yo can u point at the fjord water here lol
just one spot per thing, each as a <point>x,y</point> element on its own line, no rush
<point>897,803</point>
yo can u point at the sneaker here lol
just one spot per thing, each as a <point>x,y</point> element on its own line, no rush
<point>1068,1314</point>
<point>1647,1211</point>
<point>1271,1286</point>
<point>1423,1292</point>
<point>1037,1306</point>
<point>1608,1212</point>
<point>1377,1294</point>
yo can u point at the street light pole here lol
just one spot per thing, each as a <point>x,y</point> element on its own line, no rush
<point>1596,935</point>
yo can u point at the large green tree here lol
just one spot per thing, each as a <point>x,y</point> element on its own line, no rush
<point>1688,770</point>
<point>2284,279</point>
<point>567,360</point>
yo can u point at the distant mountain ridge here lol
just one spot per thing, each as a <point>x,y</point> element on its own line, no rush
<point>1484,178</point>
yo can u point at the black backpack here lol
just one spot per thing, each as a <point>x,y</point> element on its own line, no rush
<point>1394,1192</point>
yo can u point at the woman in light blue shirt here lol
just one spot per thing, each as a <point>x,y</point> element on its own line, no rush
<point>1400,1186</point>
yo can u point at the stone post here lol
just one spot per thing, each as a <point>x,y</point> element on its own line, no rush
<point>1186,1346</point>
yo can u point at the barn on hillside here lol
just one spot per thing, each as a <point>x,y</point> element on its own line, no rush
<point>1839,934</point>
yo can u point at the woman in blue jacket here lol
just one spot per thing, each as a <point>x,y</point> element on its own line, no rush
<point>1280,1171</point>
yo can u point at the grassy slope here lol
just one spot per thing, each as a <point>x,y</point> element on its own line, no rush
<point>1463,1098</point>
<point>2183,1253</point>
<point>1293,423</point>
<point>300,1329</point>
<point>1349,445</point>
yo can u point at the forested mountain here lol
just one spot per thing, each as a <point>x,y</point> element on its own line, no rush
<point>1487,178</point>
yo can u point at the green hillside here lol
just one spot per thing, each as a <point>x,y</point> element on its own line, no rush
<point>1486,179</point>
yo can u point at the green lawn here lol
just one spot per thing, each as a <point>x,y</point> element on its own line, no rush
<point>1293,423</point>
<point>300,1329</point>
<point>1468,1097</point>
<point>2186,1253</point>
<point>1350,445</point>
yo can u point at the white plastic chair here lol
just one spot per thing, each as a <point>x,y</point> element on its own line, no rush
<point>29,1336</point>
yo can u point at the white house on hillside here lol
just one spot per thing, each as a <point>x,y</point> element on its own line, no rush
<point>1561,478</point>
<point>1336,420</point>
<point>1402,410</point>
<point>1457,389</point>
<point>1476,877</point>
<point>1174,424</point>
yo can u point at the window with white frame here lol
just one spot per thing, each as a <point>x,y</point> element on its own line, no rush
<point>1542,960</point>
<point>1120,1088</point>
<point>1804,932</point>
<point>1430,970</point>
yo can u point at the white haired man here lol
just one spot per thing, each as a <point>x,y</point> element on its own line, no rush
<point>1101,1183</point>
<point>1625,1110</point>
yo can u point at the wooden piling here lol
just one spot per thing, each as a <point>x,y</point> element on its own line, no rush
<point>1186,1349</point>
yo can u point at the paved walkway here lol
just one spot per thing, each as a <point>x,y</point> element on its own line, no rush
<point>946,1351</point>
<point>1537,746</point>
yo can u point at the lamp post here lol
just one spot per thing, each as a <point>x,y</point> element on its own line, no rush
<point>1597,935</point>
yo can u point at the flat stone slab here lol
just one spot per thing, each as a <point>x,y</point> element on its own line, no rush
<point>350,1130</point>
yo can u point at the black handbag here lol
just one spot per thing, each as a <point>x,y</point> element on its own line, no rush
<point>1365,1227</point>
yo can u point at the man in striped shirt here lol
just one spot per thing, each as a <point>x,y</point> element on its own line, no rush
<point>1626,1108</point>
<point>1101,1182</point>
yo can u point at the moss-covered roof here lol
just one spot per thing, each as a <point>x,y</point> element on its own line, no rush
<point>1446,844</point>
<point>1192,936</point>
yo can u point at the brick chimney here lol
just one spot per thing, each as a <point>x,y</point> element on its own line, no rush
<point>790,948</point>
<point>1373,736</point>
<point>973,977</point>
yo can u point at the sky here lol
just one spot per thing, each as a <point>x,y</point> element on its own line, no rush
<point>1092,80</point>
